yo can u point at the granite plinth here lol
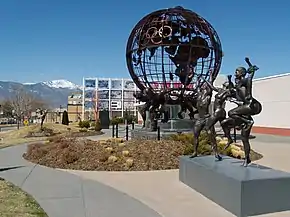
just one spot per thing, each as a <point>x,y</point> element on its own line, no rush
<point>243,191</point>
<point>177,125</point>
<point>146,134</point>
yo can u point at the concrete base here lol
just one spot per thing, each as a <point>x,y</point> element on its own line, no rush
<point>146,134</point>
<point>177,125</point>
<point>242,191</point>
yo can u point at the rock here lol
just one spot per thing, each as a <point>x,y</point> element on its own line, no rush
<point>218,138</point>
<point>112,159</point>
<point>125,153</point>
<point>238,153</point>
<point>103,142</point>
<point>223,142</point>
<point>121,144</point>
<point>235,147</point>
<point>109,149</point>
<point>129,162</point>
<point>118,140</point>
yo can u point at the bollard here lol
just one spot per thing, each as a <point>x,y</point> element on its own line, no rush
<point>158,133</point>
<point>133,125</point>
<point>113,130</point>
<point>117,130</point>
<point>127,132</point>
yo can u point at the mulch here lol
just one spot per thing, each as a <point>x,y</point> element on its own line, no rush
<point>81,154</point>
<point>110,155</point>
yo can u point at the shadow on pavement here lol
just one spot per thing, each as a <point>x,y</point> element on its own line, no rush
<point>9,168</point>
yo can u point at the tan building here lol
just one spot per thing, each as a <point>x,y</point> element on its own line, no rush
<point>75,107</point>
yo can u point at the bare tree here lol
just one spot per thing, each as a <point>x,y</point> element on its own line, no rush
<point>21,102</point>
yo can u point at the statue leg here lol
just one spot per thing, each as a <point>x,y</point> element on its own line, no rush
<point>166,116</point>
<point>41,124</point>
<point>143,115</point>
<point>182,110</point>
<point>212,134</point>
<point>163,111</point>
<point>227,124</point>
<point>191,111</point>
<point>211,121</point>
<point>240,114</point>
<point>153,121</point>
<point>197,128</point>
<point>247,147</point>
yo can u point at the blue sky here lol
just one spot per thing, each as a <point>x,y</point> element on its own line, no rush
<point>68,39</point>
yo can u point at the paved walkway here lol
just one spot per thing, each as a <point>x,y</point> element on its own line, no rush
<point>65,193</point>
<point>62,194</point>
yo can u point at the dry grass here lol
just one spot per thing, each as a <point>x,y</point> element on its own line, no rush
<point>14,137</point>
<point>16,203</point>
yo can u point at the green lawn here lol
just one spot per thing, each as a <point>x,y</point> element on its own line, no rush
<point>16,203</point>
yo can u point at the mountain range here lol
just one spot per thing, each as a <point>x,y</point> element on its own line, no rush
<point>54,92</point>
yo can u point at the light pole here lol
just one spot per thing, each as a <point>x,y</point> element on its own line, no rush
<point>1,113</point>
<point>60,113</point>
<point>1,110</point>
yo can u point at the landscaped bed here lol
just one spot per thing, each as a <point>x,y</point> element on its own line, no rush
<point>119,155</point>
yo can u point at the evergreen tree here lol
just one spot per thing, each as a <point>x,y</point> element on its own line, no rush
<point>65,120</point>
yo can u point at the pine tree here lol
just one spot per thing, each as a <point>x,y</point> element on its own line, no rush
<point>65,120</point>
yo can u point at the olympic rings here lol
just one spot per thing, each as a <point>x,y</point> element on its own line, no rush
<point>155,35</point>
<point>165,31</point>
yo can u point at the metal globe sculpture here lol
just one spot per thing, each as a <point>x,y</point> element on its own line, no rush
<point>171,49</point>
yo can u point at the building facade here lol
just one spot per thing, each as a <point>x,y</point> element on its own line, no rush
<point>75,106</point>
<point>112,94</point>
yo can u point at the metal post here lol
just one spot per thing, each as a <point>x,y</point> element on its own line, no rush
<point>127,132</point>
<point>117,130</point>
<point>235,134</point>
<point>113,130</point>
<point>158,133</point>
<point>133,126</point>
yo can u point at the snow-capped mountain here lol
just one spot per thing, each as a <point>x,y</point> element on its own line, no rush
<point>54,92</point>
<point>61,84</point>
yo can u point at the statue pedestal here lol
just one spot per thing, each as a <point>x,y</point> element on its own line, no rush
<point>243,191</point>
<point>177,125</point>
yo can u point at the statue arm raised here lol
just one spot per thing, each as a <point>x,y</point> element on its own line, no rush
<point>251,71</point>
<point>210,85</point>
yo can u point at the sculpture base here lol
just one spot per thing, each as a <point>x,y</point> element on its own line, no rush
<point>146,134</point>
<point>177,125</point>
<point>243,191</point>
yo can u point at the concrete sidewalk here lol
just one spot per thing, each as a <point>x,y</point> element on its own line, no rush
<point>162,191</point>
<point>62,194</point>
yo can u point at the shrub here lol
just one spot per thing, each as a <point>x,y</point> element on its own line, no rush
<point>65,120</point>
<point>84,124</point>
<point>117,120</point>
<point>131,119</point>
<point>204,148</point>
